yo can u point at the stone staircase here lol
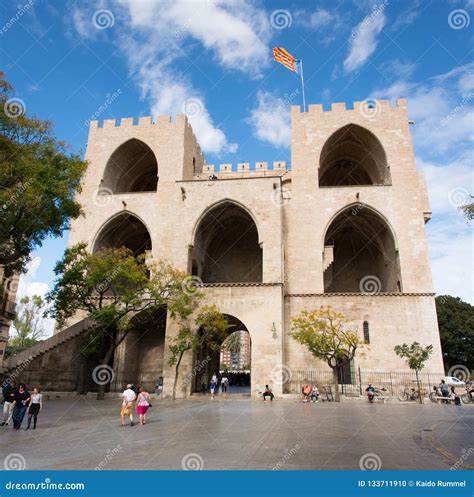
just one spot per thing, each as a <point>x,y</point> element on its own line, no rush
<point>22,358</point>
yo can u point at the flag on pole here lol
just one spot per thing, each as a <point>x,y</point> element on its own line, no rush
<point>283,57</point>
<point>286,59</point>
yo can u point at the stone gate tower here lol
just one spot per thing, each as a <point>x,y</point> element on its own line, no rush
<point>343,226</point>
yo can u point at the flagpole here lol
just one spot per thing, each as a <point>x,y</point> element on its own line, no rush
<point>302,85</point>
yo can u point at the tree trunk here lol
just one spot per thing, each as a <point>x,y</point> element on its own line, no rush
<point>418,386</point>
<point>105,362</point>
<point>175,384</point>
<point>335,376</point>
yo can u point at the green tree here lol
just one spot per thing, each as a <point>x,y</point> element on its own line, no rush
<point>416,356</point>
<point>325,334</point>
<point>456,328</point>
<point>468,210</point>
<point>38,179</point>
<point>210,328</point>
<point>112,287</point>
<point>233,342</point>
<point>27,325</point>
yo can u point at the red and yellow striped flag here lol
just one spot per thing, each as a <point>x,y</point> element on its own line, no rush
<point>285,58</point>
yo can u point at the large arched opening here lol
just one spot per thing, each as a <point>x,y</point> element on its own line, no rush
<point>232,359</point>
<point>360,253</point>
<point>226,246</point>
<point>140,358</point>
<point>353,156</point>
<point>124,230</point>
<point>131,168</point>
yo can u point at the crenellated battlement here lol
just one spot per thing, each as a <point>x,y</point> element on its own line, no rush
<point>126,122</point>
<point>242,169</point>
<point>368,108</point>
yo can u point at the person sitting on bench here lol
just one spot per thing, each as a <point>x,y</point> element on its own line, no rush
<point>268,393</point>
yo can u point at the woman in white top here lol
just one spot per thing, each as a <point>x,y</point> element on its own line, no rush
<point>36,404</point>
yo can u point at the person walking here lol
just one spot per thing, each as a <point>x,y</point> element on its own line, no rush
<point>143,404</point>
<point>35,407</point>
<point>444,391</point>
<point>213,386</point>
<point>8,391</point>
<point>128,396</point>
<point>22,399</point>
<point>224,383</point>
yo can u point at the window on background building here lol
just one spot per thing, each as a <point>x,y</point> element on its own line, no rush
<point>366,332</point>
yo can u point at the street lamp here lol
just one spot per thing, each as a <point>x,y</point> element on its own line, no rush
<point>274,330</point>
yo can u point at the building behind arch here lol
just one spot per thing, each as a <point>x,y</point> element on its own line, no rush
<point>342,226</point>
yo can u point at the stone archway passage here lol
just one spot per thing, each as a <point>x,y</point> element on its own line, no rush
<point>207,362</point>
<point>364,256</point>
<point>226,247</point>
<point>124,230</point>
<point>353,156</point>
<point>131,168</point>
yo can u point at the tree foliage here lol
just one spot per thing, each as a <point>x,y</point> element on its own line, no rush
<point>112,287</point>
<point>416,355</point>
<point>210,328</point>
<point>27,325</point>
<point>325,333</point>
<point>456,328</point>
<point>38,179</point>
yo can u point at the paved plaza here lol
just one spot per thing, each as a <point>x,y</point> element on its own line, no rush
<point>239,433</point>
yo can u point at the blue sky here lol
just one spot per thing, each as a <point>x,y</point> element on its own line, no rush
<point>67,60</point>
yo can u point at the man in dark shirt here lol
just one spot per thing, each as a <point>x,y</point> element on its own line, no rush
<point>21,401</point>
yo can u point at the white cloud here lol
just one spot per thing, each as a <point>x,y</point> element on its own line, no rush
<point>452,259</point>
<point>317,19</point>
<point>364,39</point>
<point>441,108</point>
<point>155,36</point>
<point>29,286</point>
<point>448,185</point>
<point>271,119</point>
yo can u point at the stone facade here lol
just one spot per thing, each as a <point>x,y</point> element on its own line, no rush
<point>344,226</point>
